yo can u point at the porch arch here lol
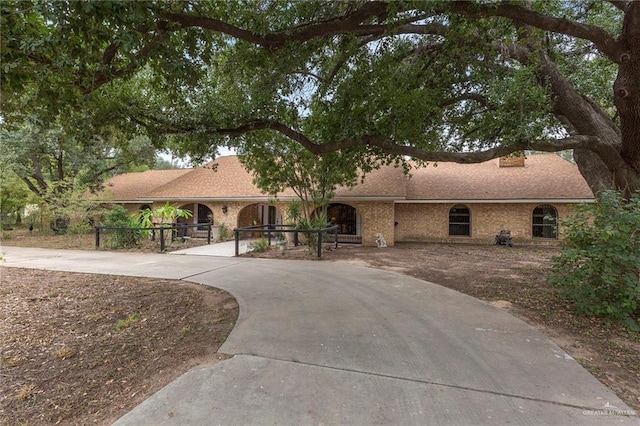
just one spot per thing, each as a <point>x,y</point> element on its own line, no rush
<point>349,222</point>
<point>202,214</point>
<point>259,214</point>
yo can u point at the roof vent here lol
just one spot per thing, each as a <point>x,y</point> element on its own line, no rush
<point>513,160</point>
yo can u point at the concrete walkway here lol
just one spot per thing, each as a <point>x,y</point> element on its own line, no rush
<point>330,343</point>
<point>224,249</point>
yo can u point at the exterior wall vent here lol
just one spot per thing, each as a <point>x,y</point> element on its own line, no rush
<point>514,160</point>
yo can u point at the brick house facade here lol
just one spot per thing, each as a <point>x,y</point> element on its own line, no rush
<point>451,202</point>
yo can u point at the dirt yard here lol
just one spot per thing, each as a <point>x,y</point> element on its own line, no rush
<point>79,348</point>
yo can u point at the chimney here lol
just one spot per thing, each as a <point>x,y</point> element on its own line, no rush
<point>512,160</point>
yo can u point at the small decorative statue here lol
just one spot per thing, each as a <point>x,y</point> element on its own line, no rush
<point>380,241</point>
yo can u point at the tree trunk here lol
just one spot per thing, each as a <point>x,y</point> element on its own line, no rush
<point>626,89</point>
<point>584,117</point>
<point>593,169</point>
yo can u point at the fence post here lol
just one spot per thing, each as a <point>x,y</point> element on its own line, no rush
<point>319,243</point>
<point>161,239</point>
<point>209,234</point>
<point>97,237</point>
<point>335,235</point>
<point>236,237</point>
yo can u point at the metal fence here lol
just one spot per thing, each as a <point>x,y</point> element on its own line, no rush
<point>123,236</point>
<point>328,234</point>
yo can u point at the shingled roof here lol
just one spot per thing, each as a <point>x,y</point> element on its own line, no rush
<point>132,186</point>
<point>223,178</point>
<point>544,177</point>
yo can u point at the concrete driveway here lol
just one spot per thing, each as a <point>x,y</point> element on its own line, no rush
<point>330,343</point>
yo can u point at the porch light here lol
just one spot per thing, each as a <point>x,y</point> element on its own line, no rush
<point>225,209</point>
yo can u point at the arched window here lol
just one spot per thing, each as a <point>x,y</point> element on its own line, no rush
<point>348,220</point>
<point>345,217</point>
<point>545,221</point>
<point>459,221</point>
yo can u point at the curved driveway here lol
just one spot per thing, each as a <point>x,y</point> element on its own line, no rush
<point>331,343</point>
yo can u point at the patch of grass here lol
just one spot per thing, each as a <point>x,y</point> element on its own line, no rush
<point>219,319</point>
<point>26,392</point>
<point>65,352</point>
<point>13,361</point>
<point>126,322</point>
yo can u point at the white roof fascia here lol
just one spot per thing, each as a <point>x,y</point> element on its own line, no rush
<point>264,198</point>
<point>224,199</point>
<point>368,198</point>
<point>502,201</point>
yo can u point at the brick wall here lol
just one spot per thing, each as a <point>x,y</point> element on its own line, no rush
<point>430,222</point>
<point>376,217</point>
<point>415,222</point>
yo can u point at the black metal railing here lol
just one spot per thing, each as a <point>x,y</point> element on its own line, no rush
<point>125,236</point>
<point>328,234</point>
<point>346,238</point>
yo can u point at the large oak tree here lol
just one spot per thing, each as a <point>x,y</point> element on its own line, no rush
<point>436,81</point>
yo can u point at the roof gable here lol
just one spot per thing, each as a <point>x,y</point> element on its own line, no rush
<point>224,177</point>
<point>130,186</point>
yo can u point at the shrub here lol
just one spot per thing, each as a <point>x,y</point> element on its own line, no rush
<point>121,238</point>
<point>317,221</point>
<point>260,245</point>
<point>80,228</point>
<point>224,232</point>
<point>599,265</point>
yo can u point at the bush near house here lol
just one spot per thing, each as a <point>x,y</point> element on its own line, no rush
<point>121,238</point>
<point>599,266</point>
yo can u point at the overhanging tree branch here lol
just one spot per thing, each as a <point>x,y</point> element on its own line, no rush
<point>606,151</point>
<point>604,41</point>
<point>101,77</point>
<point>351,22</point>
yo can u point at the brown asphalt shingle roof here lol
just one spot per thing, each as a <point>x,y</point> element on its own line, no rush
<point>129,186</point>
<point>545,176</point>
<point>225,177</point>
<point>385,182</point>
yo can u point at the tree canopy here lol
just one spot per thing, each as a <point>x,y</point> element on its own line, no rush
<point>462,81</point>
<point>51,158</point>
<point>277,165</point>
